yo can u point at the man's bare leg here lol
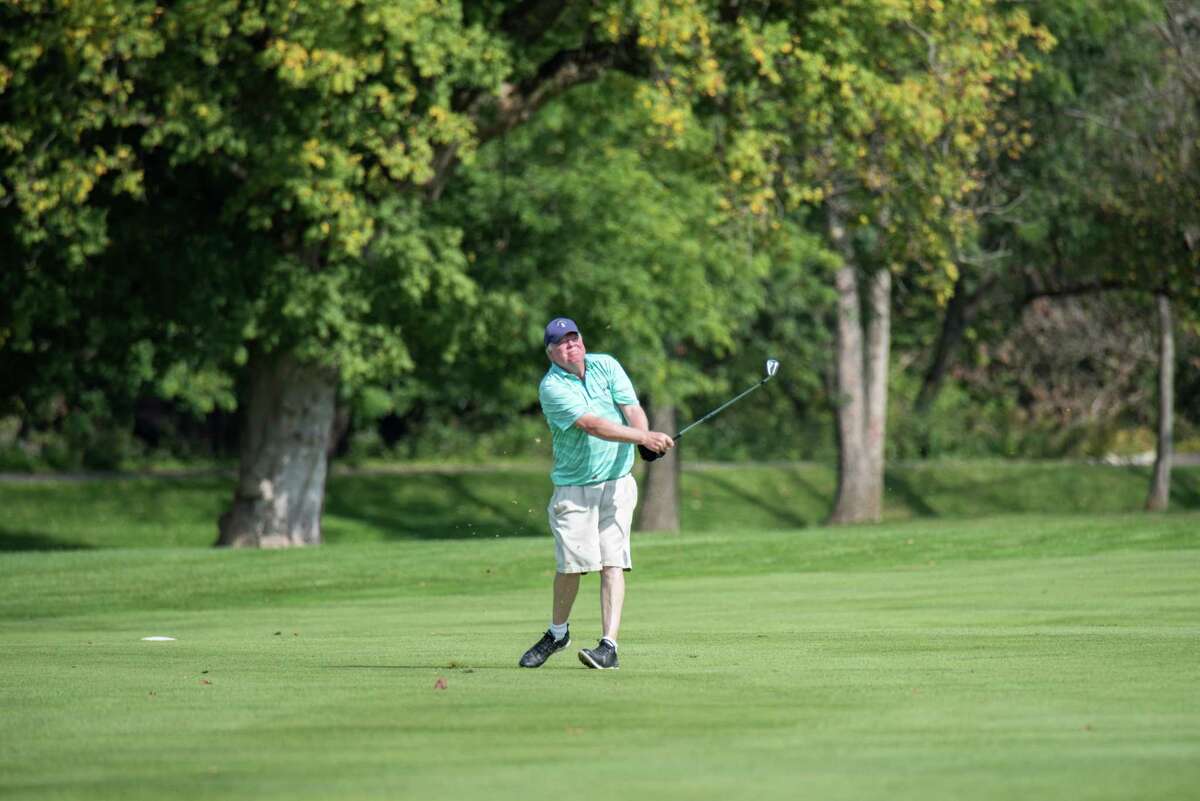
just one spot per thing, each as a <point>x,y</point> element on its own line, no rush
<point>566,586</point>
<point>612,599</point>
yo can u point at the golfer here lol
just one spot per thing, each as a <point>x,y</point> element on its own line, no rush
<point>595,421</point>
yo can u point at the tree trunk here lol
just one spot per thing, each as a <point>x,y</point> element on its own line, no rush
<point>660,496</point>
<point>853,466</point>
<point>281,475</point>
<point>853,479</point>
<point>1160,486</point>
<point>861,376</point>
<point>954,327</point>
<point>879,343</point>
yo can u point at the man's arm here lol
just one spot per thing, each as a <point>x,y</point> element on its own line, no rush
<point>635,416</point>
<point>597,426</point>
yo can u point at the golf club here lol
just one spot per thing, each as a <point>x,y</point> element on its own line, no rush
<point>771,369</point>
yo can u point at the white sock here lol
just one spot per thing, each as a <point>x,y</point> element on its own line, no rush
<point>559,630</point>
<point>610,641</point>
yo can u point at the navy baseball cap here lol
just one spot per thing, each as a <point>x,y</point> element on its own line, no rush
<point>558,328</point>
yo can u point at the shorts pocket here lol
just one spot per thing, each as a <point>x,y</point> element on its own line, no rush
<point>565,508</point>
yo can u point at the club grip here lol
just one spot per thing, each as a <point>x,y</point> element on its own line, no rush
<point>647,454</point>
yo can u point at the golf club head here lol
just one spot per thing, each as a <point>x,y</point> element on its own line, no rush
<point>772,369</point>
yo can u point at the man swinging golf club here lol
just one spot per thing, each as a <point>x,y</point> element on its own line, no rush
<point>595,420</point>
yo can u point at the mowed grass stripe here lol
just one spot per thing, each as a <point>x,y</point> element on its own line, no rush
<point>35,585</point>
<point>988,675</point>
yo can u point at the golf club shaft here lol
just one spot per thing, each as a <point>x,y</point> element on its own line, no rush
<point>715,411</point>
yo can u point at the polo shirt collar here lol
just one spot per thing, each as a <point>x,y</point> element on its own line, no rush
<point>559,371</point>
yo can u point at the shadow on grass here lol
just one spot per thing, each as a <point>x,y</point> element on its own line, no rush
<point>902,487</point>
<point>959,493</point>
<point>762,502</point>
<point>799,481</point>
<point>33,541</point>
<point>441,506</point>
<point>1185,489</point>
<point>935,491</point>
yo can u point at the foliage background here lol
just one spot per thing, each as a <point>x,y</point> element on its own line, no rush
<point>677,219</point>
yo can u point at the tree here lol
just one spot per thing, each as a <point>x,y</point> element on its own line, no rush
<point>1149,141</point>
<point>310,142</point>
<point>1109,180</point>
<point>873,116</point>
<point>1031,197</point>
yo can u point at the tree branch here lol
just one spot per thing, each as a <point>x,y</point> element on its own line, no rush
<point>497,114</point>
<point>930,45</point>
<point>1073,290</point>
<point>516,103</point>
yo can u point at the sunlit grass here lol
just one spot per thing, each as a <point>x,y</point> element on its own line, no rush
<point>1018,656</point>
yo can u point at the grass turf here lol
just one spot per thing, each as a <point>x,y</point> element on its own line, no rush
<point>1020,656</point>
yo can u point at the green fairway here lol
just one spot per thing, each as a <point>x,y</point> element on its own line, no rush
<point>1011,657</point>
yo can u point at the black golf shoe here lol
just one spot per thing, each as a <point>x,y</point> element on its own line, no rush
<point>602,657</point>
<point>543,649</point>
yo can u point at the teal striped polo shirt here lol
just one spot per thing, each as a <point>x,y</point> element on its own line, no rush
<point>578,457</point>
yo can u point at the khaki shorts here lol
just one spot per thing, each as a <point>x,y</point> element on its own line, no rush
<point>591,525</point>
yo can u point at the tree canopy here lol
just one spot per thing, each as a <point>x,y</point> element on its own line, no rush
<point>397,195</point>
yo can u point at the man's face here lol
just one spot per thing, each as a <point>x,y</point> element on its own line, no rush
<point>568,350</point>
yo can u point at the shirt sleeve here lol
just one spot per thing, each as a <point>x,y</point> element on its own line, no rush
<point>561,406</point>
<point>621,386</point>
